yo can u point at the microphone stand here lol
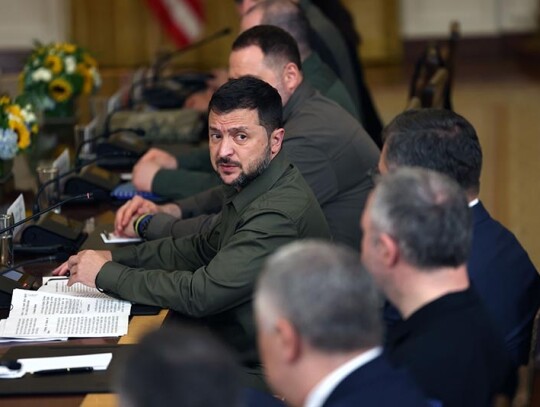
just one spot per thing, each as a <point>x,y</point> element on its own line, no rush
<point>88,195</point>
<point>163,59</point>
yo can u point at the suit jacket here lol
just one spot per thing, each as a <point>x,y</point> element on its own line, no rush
<point>506,280</point>
<point>377,384</point>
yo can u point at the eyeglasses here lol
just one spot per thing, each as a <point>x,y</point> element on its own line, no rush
<point>374,174</point>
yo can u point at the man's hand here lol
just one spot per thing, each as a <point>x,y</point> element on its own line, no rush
<point>123,222</point>
<point>163,158</point>
<point>149,164</point>
<point>199,100</point>
<point>132,209</point>
<point>84,267</point>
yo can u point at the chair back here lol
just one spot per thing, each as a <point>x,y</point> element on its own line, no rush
<point>433,74</point>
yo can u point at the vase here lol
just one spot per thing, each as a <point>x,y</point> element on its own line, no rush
<point>58,128</point>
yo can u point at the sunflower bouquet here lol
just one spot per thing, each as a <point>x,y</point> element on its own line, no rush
<point>56,73</point>
<point>18,123</point>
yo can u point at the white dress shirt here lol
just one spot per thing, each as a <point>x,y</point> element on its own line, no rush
<point>318,395</point>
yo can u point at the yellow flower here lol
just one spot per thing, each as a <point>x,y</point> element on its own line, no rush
<point>35,128</point>
<point>24,135</point>
<point>54,64</point>
<point>60,90</point>
<point>4,100</point>
<point>88,80</point>
<point>68,48</point>
<point>89,61</point>
<point>15,110</point>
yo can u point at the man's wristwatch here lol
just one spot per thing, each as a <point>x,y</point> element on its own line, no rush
<point>141,224</point>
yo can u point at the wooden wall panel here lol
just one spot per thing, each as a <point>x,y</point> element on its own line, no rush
<point>124,33</point>
<point>378,23</point>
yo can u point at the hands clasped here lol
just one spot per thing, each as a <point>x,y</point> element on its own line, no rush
<point>83,267</point>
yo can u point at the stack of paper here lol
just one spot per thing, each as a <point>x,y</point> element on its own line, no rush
<point>56,311</point>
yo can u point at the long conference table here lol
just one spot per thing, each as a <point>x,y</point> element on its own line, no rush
<point>101,217</point>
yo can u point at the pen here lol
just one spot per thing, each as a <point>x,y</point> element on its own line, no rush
<point>49,372</point>
<point>11,364</point>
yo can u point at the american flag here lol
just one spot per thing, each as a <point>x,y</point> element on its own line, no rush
<point>182,19</point>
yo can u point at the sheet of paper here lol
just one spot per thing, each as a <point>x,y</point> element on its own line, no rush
<point>112,238</point>
<point>98,361</point>
<point>59,286</point>
<point>36,314</point>
<point>62,162</point>
<point>35,303</point>
<point>17,208</point>
<point>73,326</point>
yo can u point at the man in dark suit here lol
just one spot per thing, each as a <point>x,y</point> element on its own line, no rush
<point>319,331</point>
<point>499,268</point>
<point>416,240</point>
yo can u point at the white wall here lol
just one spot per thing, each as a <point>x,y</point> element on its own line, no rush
<point>23,21</point>
<point>431,18</point>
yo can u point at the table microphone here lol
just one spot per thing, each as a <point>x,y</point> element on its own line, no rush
<point>54,229</point>
<point>138,131</point>
<point>163,59</point>
<point>54,258</point>
<point>87,196</point>
<point>104,180</point>
<point>11,278</point>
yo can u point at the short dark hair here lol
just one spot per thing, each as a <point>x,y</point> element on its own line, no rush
<point>274,42</point>
<point>437,139</point>
<point>179,366</point>
<point>426,213</point>
<point>250,93</point>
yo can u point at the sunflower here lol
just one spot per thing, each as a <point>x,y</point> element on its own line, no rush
<point>89,61</point>
<point>60,90</point>
<point>22,132</point>
<point>88,80</point>
<point>54,64</point>
<point>68,48</point>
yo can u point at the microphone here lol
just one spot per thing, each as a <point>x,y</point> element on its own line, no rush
<point>163,59</point>
<point>111,180</point>
<point>55,258</point>
<point>86,196</point>
<point>172,93</point>
<point>138,131</point>
<point>54,229</point>
<point>11,278</point>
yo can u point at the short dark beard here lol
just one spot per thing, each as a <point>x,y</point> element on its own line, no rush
<point>244,179</point>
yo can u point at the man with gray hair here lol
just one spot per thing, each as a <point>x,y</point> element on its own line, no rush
<point>417,236</point>
<point>319,331</point>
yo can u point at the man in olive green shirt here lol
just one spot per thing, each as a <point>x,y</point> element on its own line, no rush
<point>211,276</point>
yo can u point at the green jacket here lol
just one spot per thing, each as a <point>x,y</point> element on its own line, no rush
<point>211,276</point>
<point>325,81</point>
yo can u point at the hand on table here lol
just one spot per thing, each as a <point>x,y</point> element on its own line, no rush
<point>83,267</point>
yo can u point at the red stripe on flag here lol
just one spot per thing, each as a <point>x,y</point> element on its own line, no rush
<point>179,36</point>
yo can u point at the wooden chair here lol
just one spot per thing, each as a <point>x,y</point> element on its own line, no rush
<point>433,74</point>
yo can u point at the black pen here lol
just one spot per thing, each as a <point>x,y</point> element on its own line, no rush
<point>63,371</point>
<point>11,364</point>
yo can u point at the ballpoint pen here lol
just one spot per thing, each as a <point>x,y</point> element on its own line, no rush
<point>68,370</point>
<point>11,364</point>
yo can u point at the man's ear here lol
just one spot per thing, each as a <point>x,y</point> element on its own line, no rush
<point>292,77</point>
<point>388,249</point>
<point>276,139</point>
<point>289,340</point>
